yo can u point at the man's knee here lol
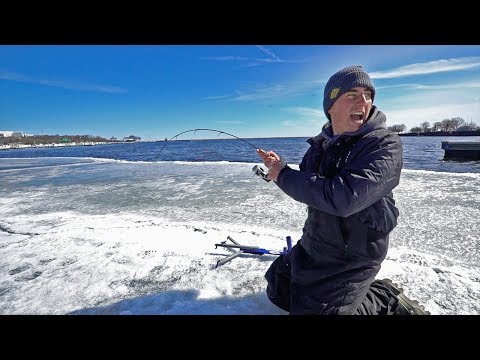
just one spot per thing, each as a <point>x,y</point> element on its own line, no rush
<point>278,282</point>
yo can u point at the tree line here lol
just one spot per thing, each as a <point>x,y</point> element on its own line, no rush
<point>446,125</point>
<point>58,139</point>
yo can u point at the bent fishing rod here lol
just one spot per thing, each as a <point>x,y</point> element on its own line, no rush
<point>214,130</point>
<point>257,170</point>
<point>203,129</point>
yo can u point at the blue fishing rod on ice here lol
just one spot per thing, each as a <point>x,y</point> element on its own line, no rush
<point>247,249</point>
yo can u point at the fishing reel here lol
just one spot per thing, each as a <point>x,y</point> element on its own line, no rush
<point>257,170</point>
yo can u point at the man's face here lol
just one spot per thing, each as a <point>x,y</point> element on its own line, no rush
<point>350,111</point>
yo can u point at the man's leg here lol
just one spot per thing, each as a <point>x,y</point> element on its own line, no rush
<point>278,282</point>
<point>380,299</point>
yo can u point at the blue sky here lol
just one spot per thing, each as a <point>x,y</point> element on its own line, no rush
<point>158,91</point>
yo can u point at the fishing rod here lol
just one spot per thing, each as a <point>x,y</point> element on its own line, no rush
<point>214,130</point>
<point>257,170</point>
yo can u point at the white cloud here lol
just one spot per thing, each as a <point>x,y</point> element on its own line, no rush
<point>230,122</point>
<point>449,86</point>
<point>269,52</point>
<point>216,97</point>
<point>274,91</point>
<point>433,87</point>
<point>430,67</point>
<point>272,58</point>
<point>224,58</point>
<point>61,83</point>
<point>308,112</point>
<point>269,92</point>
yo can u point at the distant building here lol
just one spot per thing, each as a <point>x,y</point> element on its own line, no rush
<point>15,134</point>
<point>6,133</point>
<point>132,138</point>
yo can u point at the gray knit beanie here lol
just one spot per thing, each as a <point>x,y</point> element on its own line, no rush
<point>342,81</point>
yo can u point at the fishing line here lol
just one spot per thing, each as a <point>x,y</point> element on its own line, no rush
<point>214,130</point>
<point>257,170</point>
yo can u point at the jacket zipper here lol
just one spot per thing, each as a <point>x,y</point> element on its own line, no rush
<point>345,239</point>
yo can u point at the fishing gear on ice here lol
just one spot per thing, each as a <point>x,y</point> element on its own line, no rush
<point>247,249</point>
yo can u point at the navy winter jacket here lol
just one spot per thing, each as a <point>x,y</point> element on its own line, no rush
<point>347,183</point>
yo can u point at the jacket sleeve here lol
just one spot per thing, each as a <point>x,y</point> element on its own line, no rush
<point>373,171</point>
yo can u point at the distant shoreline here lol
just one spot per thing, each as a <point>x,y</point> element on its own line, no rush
<point>444,133</point>
<point>52,145</point>
<point>20,145</point>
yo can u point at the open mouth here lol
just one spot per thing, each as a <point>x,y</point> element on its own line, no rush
<point>356,116</point>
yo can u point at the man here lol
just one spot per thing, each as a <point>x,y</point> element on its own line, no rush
<point>346,179</point>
